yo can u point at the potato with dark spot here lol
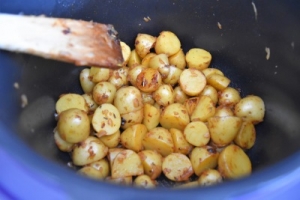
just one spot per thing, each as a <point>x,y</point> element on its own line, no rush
<point>104,92</point>
<point>148,80</point>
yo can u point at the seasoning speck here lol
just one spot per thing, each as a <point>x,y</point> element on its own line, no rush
<point>267,49</point>
<point>219,25</point>
<point>254,9</point>
<point>147,19</point>
<point>24,101</point>
<point>16,85</point>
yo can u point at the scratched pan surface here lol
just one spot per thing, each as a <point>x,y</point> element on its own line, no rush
<point>238,49</point>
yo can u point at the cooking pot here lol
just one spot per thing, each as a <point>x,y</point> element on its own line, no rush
<point>237,33</point>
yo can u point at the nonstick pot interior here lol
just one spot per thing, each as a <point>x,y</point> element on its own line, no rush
<point>238,49</point>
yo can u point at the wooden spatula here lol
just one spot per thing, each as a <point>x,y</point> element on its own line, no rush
<point>80,42</point>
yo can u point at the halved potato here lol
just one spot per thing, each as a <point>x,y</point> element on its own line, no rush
<point>99,74</point>
<point>144,181</point>
<point>125,52</point>
<point>97,170</point>
<point>151,116</point>
<point>119,77</point>
<point>86,82</point>
<point>143,44</point>
<point>210,177</point>
<point>211,92</point>
<point>134,59</point>
<point>180,143</point>
<point>229,97</point>
<point>152,163</point>
<point>168,43</point>
<point>178,59</point>
<point>196,133</point>
<point>148,80</point>
<point>112,140</point>
<point>132,137</point>
<point>218,81</point>
<point>198,58</point>
<point>204,109</point>
<point>71,100</point>
<point>246,136</point>
<point>164,95</point>
<point>134,117</point>
<point>192,81</point>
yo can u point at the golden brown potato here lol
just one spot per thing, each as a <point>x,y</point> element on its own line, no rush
<point>104,92</point>
<point>144,181</point>
<point>204,109</point>
<point>147,58</point>
<point>164,95</point>
<point>246,136</point>
<point>168,43</point>
<point>209,71</point>
<point>152,163</point>
<point>180,143</point>
<point>132,137</point>
<point>177,167</point>
<point>97,170</point>
<point>198,58</point>
<point>233,163</point>
<point>151,116</point>
<point>189,78</point>
<point>134,59</point>
<point>100,74</point>
<point>119,77</point>
<point>210,177</point>
<point>133,72</point>
<point>148,80</point>
<point>86,82</point>
<point>178,59</point>
<point>223,111</point>
<point>173,76</point>
<point>211,92</point>
<point>196,133</point>
<point>112,153</point>
<point>112,140</point>
<point>161,63</point>
<point>143,44</point>
<point>218,81</point>
<point>190,104</point>
<point>229,97</point>
<point>71,100</point>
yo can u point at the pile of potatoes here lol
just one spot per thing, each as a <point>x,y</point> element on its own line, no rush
<point>164,112</point>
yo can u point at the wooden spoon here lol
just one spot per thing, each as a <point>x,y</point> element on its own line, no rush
<point>80,42</point>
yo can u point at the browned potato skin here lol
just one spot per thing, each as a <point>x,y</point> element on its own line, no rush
<point>143,44</point>
<point>152,163</point>
<point>179,95</point>
<point>132,137</point>
<point>246,136</point>
<point>191,104</point>
<point>97,170</point>
<point>148,80</point>
<point>210,177</point>
<point>210,92</point>
<point>229,97</point>
<point>178,59</point>
<point>180,143</point>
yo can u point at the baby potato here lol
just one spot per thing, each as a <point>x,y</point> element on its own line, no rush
<point>104,92</point>
<point>204,109</point>
<point>144,181</point>
<point>120,181</point>
<point>229,96</point>
<point>99,74</point>
<point>159,139</point>
<point>246,136</point>
<point>73,125</point>
<point>126,163</point>
<point>133,72</point>
<point>134,117</point>
<point>86,81</point>
<point>210,177</point>
<point>196,133</point>
<point>177,167</point>
<point>178,59</point>
<point>168,43</point>
<point>134,59</point>
<point>71,100</point>
<point>62,144</point>
<point>128,99</point>
<point>119,77</point>
<point>233,163</point>
<point>223,111</point>
<point>147,58</point>
<point>152,163</point>
<point>125,52</point>
<point>147,98</point>
<point>179,95</point>
<point>148,80</point>
<point>92,105</point>
<point>180,143</point>
<point>89,150</point>
<point>174,116</point>
<point>112,153</point>
<point>97,170</point>
<point>164,95</point>
<point>198,58</point>
<point>211,92</point>
<point>161,63</point>
<point>224,129</point>
<point>192,81</point>
<point>250,108</point>
<point>173,76</point>
<point>106,120</point>
<point>143,44</point>
<point>151,116</point>
<point>190,104</point>
<point>209,71</point>
<point>111,141</point>
<point>218,81</point>
<point>132,137</point>
<point>203,158</point>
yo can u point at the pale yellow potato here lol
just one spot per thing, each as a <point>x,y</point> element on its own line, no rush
<point>86,81</point>
<point>161,63</point>
<point>112,153</point>
<point>120,181</point>
<point>134,117</point>
<point>143,44</point>
<point>246,136</point>
<point>192,81</point>
<point>131,137</point>
<point>71,100</point>
<point>203,158</point>
<point>198,58</point>
<point>152,163</point>
<point>177,167</point>
<point>204,109</point>
<point>164,95</point>
<point>148,80</point>
<point>144,181</point>
<point>168,43</point>
<point>179,95</point>
<point>223,130</point>
<point>211,92</point>
<point>147,58</point>
<point>250,108</point>
<point>125,52</point>
<point>151,116</point>
<point>119,77</point>
<point>88,151</point>
<point>147,98</point>
<point>173,76</point>
<point>128,99</point>
<point>229,96</point>
<point>133,72</point>
<point>62,144</point>
<point>190,104</point>
<point>73,125</point>
<point>210,177</point>
<point>178,59</point>
<point>196,133</point>
<point>159,107</point>
<point>106,120</point>
<point>134,59</point>
<point>126,163</point>
<point>174,116</point>
<point>113,140</point>
<point>209,71</point>
<point>92,105</point>
<point>180,143</point>
<point>218,81</point>
<point>223,111</point>
<point>233,163</point>
<point>97,170</point>
<point>159,139</point>
<point>99,74</point>
<point>104,92</point>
